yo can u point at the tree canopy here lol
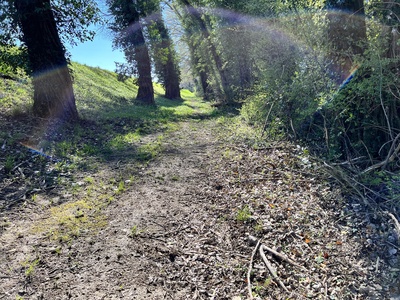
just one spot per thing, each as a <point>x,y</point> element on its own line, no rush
<point>39,26</point>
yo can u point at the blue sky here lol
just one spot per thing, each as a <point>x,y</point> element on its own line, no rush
<point>97,53</point>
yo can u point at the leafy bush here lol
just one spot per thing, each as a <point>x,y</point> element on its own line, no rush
<point>362,120</point>
<point>286,104</point>
<point>13,61</point>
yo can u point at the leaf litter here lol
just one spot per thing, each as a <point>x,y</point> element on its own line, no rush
<point>201,222</point>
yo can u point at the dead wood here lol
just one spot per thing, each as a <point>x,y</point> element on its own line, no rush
<point>271,269</point>
<point>249,270</point>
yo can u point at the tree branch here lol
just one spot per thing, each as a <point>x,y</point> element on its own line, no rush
<point>271,270</point>
<point>249,271</point>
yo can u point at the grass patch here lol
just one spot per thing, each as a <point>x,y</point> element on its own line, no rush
<point>243,214</point>
<point>16,96</point>
<point>72,219</point>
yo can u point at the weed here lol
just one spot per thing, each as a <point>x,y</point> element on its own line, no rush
<point>121,188</point>
<point>88,149</point>
<point>244,214</point>
<point>64,148</point>
<point>9,164</point>
<point>69,220</point>
<point>149,150</point>
<point>89,180</point>
<point>175,178</point>
<point>58,250</point>
<point>30,266</point>
<point>259,227</point>
<point>135,231</point>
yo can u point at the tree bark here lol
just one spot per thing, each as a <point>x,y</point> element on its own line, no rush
<point>146,92</point>
<point>53,91</point>
<point>170,70</point>
<point>196,15</point>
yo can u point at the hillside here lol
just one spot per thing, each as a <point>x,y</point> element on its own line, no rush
<point>177,201</point>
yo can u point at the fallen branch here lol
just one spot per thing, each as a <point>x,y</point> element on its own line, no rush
<point>396,223</point>
<point>392,153</point>
<point>283,257</point>
<point>249,270</point>
<point>271,270</point>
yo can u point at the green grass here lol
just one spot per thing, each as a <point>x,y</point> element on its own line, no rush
<point>100,96</point>
<point>243,214</point>
<point>116,123</point>
<point>16,96</point>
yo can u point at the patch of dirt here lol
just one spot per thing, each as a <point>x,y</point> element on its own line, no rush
<point>186,228</point>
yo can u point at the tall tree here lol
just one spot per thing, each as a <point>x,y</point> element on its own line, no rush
<point>129,37</point>
<point>41,25</point>
<point>164,56</point>
<point>197,20</point>
<point>53,92</point>
<point>199,67</point>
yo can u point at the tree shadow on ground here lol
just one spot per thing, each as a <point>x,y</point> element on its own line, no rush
<point>39,157</point>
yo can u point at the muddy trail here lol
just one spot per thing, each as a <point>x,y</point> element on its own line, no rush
<point>201,221</point>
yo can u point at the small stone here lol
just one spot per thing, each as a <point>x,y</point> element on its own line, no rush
<point>316,286</point>
<point>364,289</point>
<point>252,240</point>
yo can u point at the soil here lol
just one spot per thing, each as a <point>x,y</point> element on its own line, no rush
<point>189,223</point>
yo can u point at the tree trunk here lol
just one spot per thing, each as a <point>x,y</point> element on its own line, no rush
<point>52,83</point>
<point>196,15</point>
<point>170,70</point>
<point>146,92</point>
<point>201,69</point>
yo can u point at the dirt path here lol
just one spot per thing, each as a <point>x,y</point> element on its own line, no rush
<point>181,231</point>
<point>140,254</point>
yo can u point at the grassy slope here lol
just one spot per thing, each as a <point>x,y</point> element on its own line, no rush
<point>100,95</point>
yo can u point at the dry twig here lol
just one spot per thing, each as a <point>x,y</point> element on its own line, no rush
<point>249,271</point>
<point>392,153</point>
<point>283,257</point>
<point>271,270</point>
<point>396,223</point>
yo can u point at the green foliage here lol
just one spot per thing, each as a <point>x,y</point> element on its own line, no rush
<point>135,231</point>
<point>363,118</point>
<point>13,61</point>
<point>73,18</point>
<point>162,51</point>
<point>298,94</point>
<point>15,94</point>
<point>30,266</point>
<point>283,105</point>
<point>121,188</point>
<point>243,214</point>
<point>9,164</point>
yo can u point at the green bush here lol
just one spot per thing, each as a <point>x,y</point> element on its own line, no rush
<point>285,104</point>
<point>362,120</point>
